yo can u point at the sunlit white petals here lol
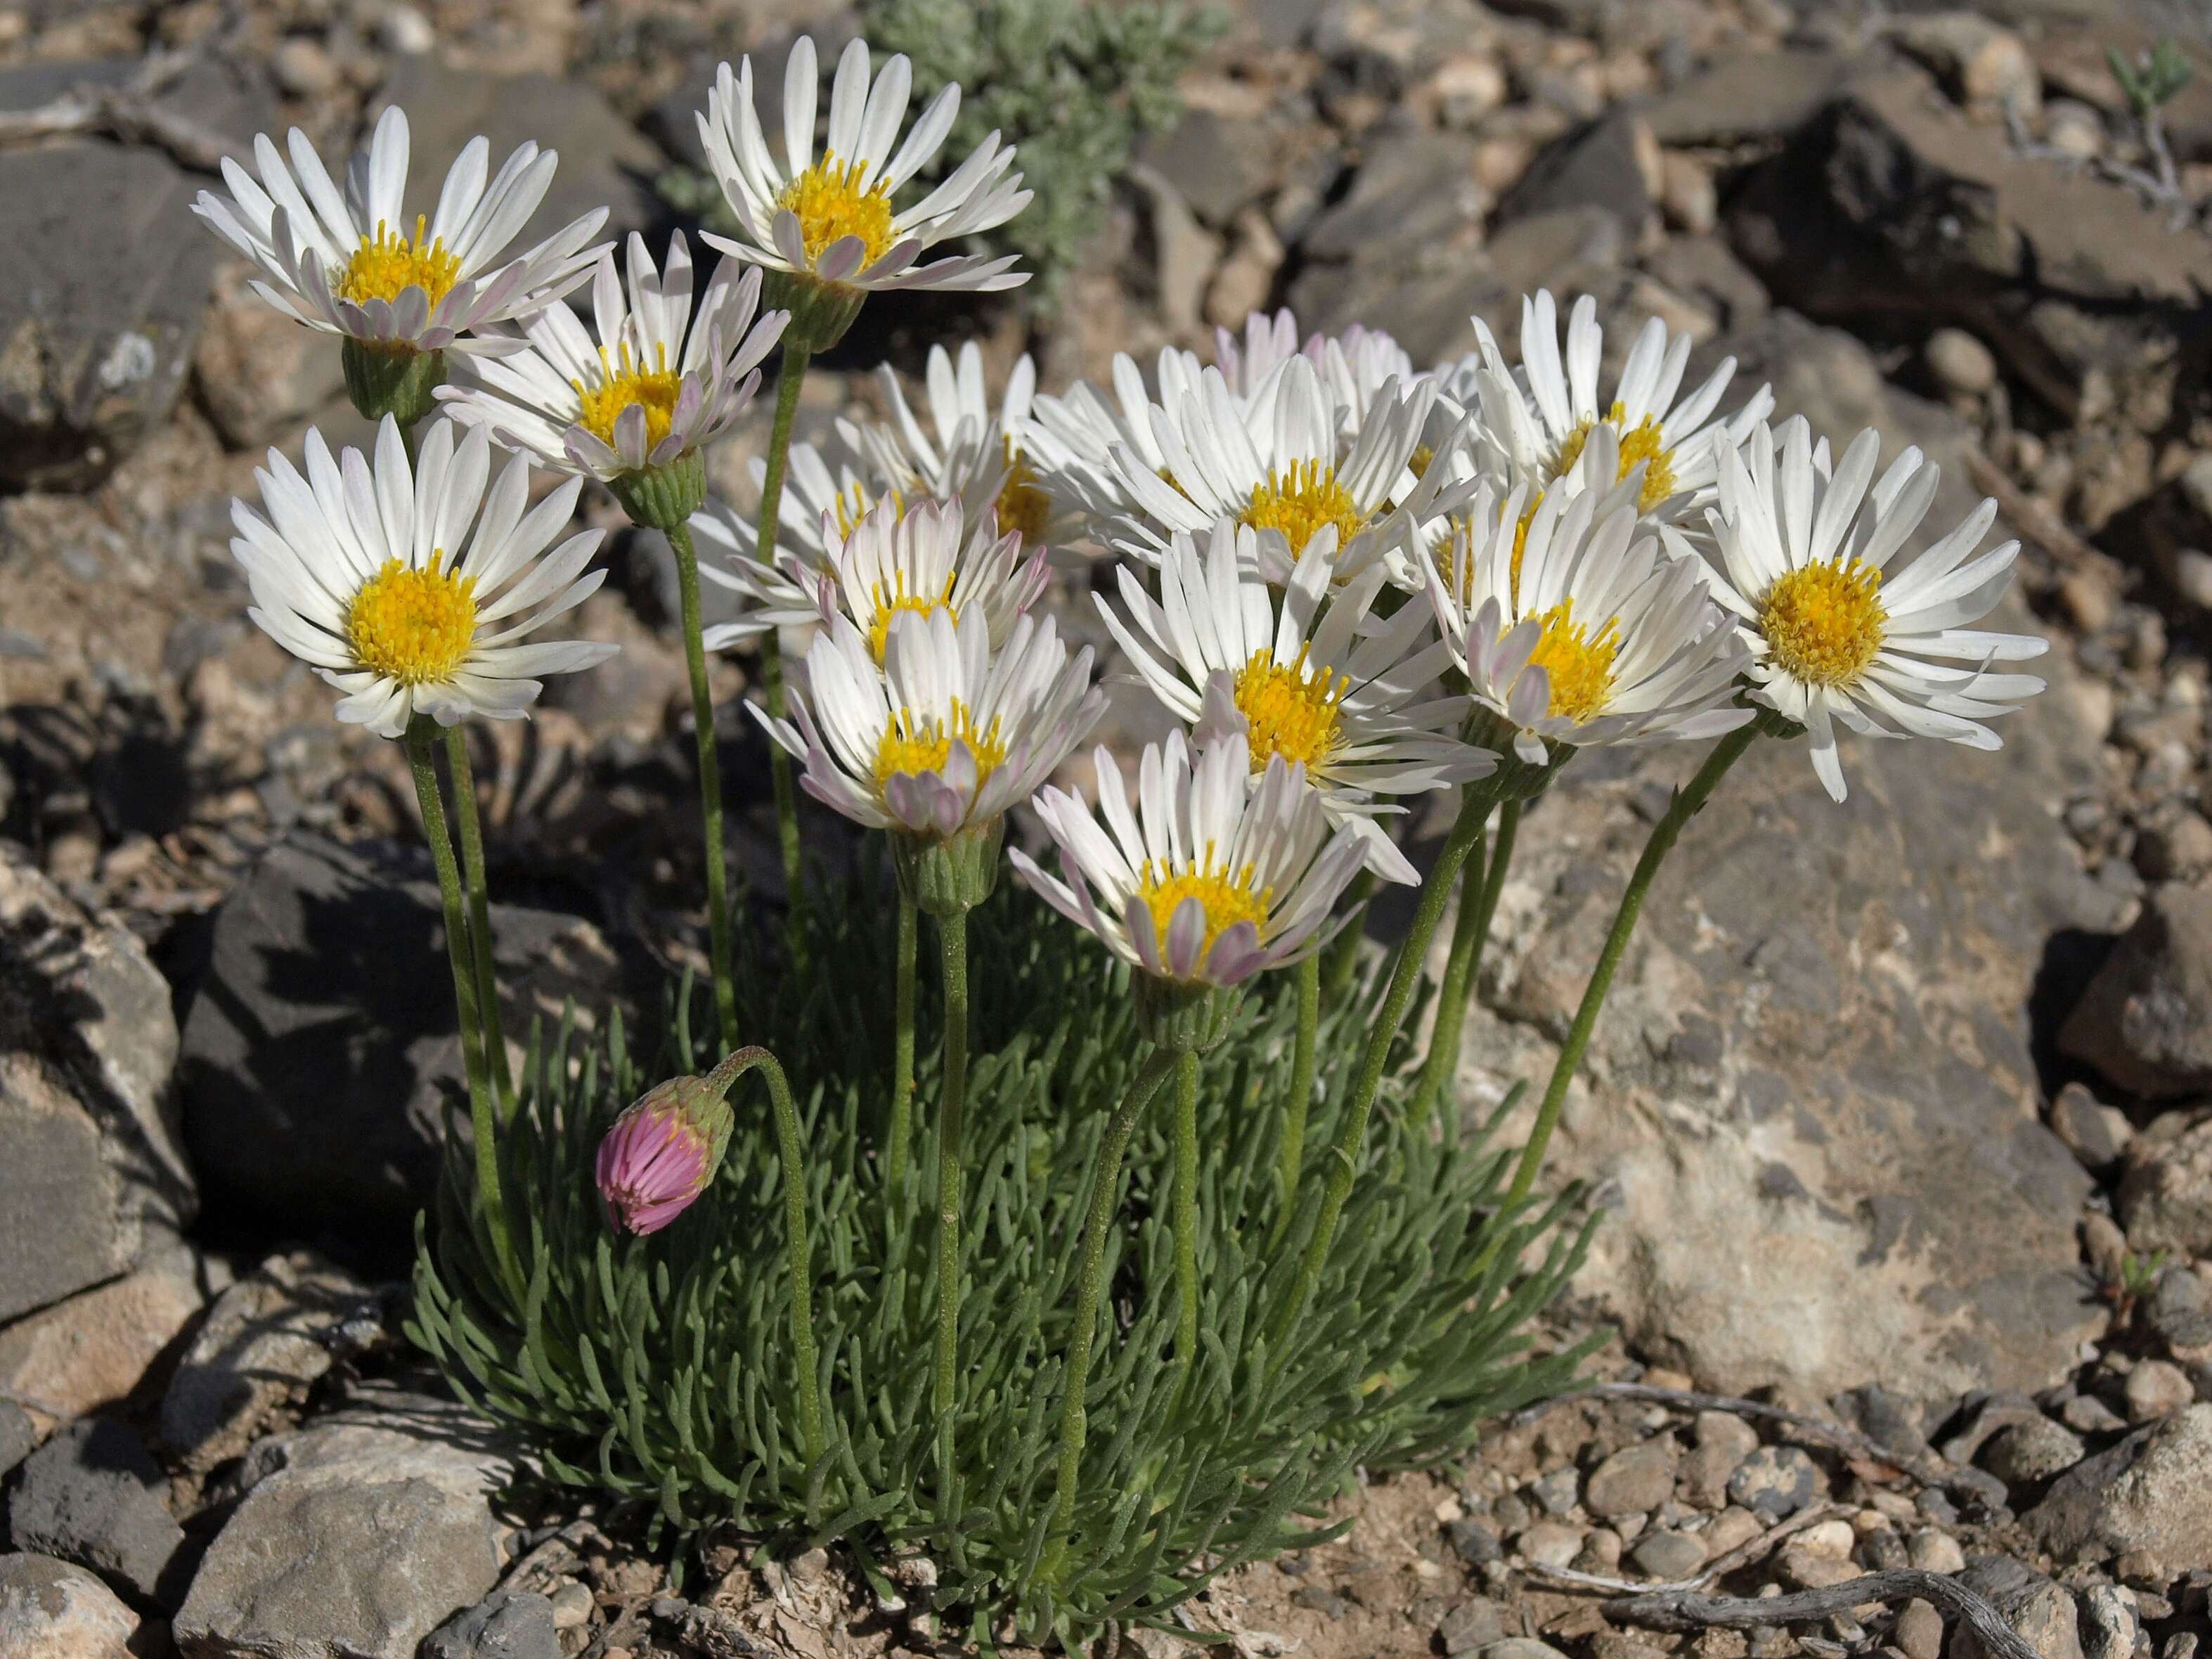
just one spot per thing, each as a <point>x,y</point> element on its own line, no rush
<point>835,217</point>
<point>651,380</point>
<point>412,587</point>
<point>1580,630</point>
<point>366,264</point>
<point>925,561</point>
<point>1212,877</point>
<point>948,732</point>
<point>1805,556</point>
<point>958,442</point>
<point>1310,672</point>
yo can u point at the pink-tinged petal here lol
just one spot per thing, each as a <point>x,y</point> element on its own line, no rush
<point>1236,956</point>
<point>1186,940</point>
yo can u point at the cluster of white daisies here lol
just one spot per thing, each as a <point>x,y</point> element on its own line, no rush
<point>1355,581</point>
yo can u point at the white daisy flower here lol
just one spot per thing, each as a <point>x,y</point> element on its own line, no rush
<point>1071,440</point>
<point>948,734</point>
<point>1574,630</point>
<point>1313,675</point>
<point>965,436</point>
<point>1215,877</point>
<point>355,264</point>
<point>920,562</point>
<point>1543,422</point>
<point>650,382</point>
<point>1292,463</point>
<point>831,219</point>
<point>387,581</point>
<point>1803,561</point>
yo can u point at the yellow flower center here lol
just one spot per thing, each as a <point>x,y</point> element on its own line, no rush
<point>1460,531</point>
<point>413,626</point>
<point>386,265</point>
<point>1579,663</point>
<point>1300,503</point>
<point>916,743</point>
<point>1824,623</point>
<point>1228,899</point>
<point>854,504</point>
<point>1293,713</point>
<point>1423,458</point>
<point>889,605</point>
<point>629,384</point>
<point>1642,446</point>
<point>1022,504</point>
<point>831,203</point>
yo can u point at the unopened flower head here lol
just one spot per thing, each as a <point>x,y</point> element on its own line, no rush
<point>1310,673</point>
<point>964,437</point>
<point>651,381</point>
<point>925,562</point>
<point>1543,422</point>
<point>358,262</point>
<point>833,218</point>
<point>661,1153</point>
<point>1576,628</point>
<point>1214,877</point>
<point>1806,560</point>
<point>412,588</point>
<point>948,732</point>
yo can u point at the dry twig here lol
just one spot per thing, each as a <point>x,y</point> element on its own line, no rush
<point>1682,1610</point>
<point>2041,525</point>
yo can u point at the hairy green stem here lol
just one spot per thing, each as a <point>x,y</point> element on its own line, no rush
<point>710,785</point>
<point>1685,806</point>
<point>1089,1288</point>
<point>790,376</point>
<point>1344,955</point>
<point>1300,1104</point>
<point>483,1114</point>
<point>1185,1219</point>
<point>900,1130</point>
<point>953,939</point>
<point>1474,811</point>
<point>791,1147</point>
<point>1470,933</point>
<point>472,866</point>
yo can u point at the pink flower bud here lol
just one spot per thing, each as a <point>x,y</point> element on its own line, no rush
<point>663,1151</point>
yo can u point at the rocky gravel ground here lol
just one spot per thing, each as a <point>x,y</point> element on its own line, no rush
<point>1910,1249</point>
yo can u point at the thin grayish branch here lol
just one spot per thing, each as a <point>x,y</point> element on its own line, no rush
<point>1686,1610</point>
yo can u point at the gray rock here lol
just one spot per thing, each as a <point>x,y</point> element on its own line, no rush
<point>605,160</point>
<point>672,121</point>
<point>1572,245</point>
<point>1865,1156</point>
<point>92,1172</point>
<point>505,1625</point>
<point>382,1433</point>
<point>1703,269</point>
<point>1522,1647</point>
<point>2041,1613</point>
<point>2111,1624</point>
<point>18,1435</point>
<point>1886,1418</point>
<point>1221,163</point>
<point>1752,94</point>
<point>2146,1020</point>
<point>1555,1493</point>
<point>51,1610</point>
<point>1476,1543</point>
<point>1993,1414</point>
<point>1596,165</point>
<point>2166,1192</point>
<point>1960,364</point>
<point>1634,1480</point>
<point>2157,1389</point>
<point>312,1567</point>
<point>92,1349</point>
<point>2180,1311</point>
<point>2151,1494</point>
<point>316,1080</point>
<point>1774,1482</point>
<point>262,1344</point>
<point>1416,189</point>
<point>1668,1556</point>
<point>2032,1451</point>
<point>1919,1630</point>
<point>91,1496</point>
<point>2097,1134</point>
<point>1724,1441</point>
<point>1472,1625</point>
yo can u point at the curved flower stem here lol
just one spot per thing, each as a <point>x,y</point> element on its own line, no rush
<point>1473,812</point>
<point>790,376</point>
<point>900,1130</point>
<point>483,1115</point>
<point>1344,955</point>
<point>710,785</point>
<point>1301,1101</point>
<point>952,939</point>
<point>1090,1287</point>
<point>1185,1220</point>
<point>791,1145</point>
<point>472,865</point>
<point>1470,933</point>
<point>1686,804</point>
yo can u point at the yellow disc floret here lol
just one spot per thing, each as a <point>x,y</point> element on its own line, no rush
<point>1580,663</point>
<point>1293,711</point>
<point>386,265</point>
<point>1022,504</point>
<point>889,602</point>
<point>626,384</point>
<point>914,743</point>
<point>1824,623</point>
<point>831,202</point>
<point>1299,503</point>
<point>413,626</point>
<point>1642,444</point>
<point>1227,898</point>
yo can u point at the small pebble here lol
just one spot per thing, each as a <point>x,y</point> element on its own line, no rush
<point>2086,1414</point>
<point>2157,1389</point>
<point>1919,1631</point>
<point>572,1604</point>
<point>1774,1482</point>
<point>1472,1625</point>
<point>1828,1538</point>
<point>1555,1493</point>
<point>1550,1543</point>
<point>1960,364</point>
<point>1475,1541</point>
<point>1669,1555</point>
<point>1935,1552</point>
<point>1731,1529</point>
